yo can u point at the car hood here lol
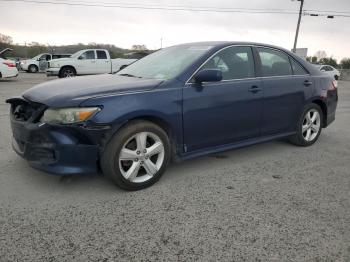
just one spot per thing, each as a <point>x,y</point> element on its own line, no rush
<point>61,59</point>
<point>73,91</point>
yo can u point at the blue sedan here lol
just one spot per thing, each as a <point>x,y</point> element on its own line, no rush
<point>177,103</point>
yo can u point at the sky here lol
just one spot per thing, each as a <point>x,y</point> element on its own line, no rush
<point>59,24</point>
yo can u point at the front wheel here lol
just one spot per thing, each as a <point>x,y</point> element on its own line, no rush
<point>33,69</point>
<point>67,72</point>
<point>136,156</point>
<point>309,126</point>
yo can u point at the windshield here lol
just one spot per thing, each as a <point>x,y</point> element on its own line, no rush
<point>166,63</point>
<point>37,57</point>
<point>76,54</point>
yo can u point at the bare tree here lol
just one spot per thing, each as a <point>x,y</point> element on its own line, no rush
<point>320,54</point>
<point>6,39</point>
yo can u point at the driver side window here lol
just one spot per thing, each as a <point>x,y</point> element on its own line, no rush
<point>234,62</point>
<point>87,55</point>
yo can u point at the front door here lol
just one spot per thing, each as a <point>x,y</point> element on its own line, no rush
<point>87,63</point>
<point>227,111</point>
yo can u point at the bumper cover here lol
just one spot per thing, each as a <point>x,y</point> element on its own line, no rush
<point>53,150</point>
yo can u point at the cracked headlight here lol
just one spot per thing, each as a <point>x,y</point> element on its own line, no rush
<point>68,115</point>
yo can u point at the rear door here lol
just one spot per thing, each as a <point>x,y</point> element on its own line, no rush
<point>103,63</point>
<point>224,112</point>
<point>285,82</point>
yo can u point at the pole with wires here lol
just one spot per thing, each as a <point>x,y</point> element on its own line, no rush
<point>298,26</point>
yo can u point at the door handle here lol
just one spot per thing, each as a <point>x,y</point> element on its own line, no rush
<point>255,89</point>
<point>307,83</point>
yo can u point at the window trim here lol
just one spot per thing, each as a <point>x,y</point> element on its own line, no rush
<point>257,67</point>
<point>289,56</point>
<point>188,82</point>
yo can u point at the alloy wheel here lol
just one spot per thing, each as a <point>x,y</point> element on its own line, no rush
<point>68,73</point>
<point>141,157</point>
<point>311,125</point>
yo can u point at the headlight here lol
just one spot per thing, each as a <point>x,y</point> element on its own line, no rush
<point>68,115</point>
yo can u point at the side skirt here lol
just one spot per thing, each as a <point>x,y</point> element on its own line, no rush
<point>226,147</point>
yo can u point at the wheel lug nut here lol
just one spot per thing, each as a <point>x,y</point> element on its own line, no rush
<point>136,159</point>
<point>144,151</point>
<point>138,152</point>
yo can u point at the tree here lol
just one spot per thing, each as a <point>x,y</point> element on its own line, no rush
<point>328,61</point>
<point>139,48</point>
<point>345,63</point>
<point>320,54</point>
<point>312,59</point>
<point>6,39</point>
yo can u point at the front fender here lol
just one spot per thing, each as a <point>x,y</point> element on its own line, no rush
<point>164,106</point>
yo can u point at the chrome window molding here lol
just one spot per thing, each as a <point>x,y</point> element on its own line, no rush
<point>249,78</point>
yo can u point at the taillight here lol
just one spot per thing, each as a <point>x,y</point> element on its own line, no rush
<point>334,85</point>
<point>9,64</point>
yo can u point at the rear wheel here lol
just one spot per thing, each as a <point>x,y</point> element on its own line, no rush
<point>309,126</point>
<point>136,156</point>
<point>33,69</point>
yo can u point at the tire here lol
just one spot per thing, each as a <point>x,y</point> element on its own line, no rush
<point>33,69</point>
<point>301,138</point>
<point>66,72</point>
<point>119,166</point>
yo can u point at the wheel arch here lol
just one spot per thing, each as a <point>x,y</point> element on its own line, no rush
<point>67,66</point>
<point>155,119</point>
<point>37,68</point>
<point>323,107</point>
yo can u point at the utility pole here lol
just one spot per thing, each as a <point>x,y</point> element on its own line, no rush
<point>298,26</point>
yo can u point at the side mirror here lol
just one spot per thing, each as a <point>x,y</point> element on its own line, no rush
<point>322,70</point>
<point>208,75</point>
<point>80,58</point>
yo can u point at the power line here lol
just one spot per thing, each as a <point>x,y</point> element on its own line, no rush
<point>174,8</point>
<point>150,6</point>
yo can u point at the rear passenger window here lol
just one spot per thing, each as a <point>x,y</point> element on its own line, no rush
<point>297,68</point>
<point>101,54</point>
<point>274,63</point>
<point>235,62</point>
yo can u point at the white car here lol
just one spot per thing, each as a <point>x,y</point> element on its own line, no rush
<point>7,67</point>
<point>330,70</point>
<point>86,62</point>
<point>39,62</point>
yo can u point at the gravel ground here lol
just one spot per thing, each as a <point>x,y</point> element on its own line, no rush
<point>268,202</point>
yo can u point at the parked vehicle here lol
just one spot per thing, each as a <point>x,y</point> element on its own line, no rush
<point>7,67</point>
<point>330,70</point>
<point>177,103</point>
<point>87,62</point>
<point>39,63</point>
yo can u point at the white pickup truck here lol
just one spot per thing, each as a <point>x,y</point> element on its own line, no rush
<point>86,62</point>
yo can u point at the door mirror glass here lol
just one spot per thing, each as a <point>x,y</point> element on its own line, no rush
<point>208,75</point>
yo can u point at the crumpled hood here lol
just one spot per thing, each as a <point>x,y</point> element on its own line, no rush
<point>73,91</point>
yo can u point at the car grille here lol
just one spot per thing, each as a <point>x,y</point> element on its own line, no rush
<point>23,110</point>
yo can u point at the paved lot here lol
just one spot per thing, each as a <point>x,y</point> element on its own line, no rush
<point>269,202</point>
